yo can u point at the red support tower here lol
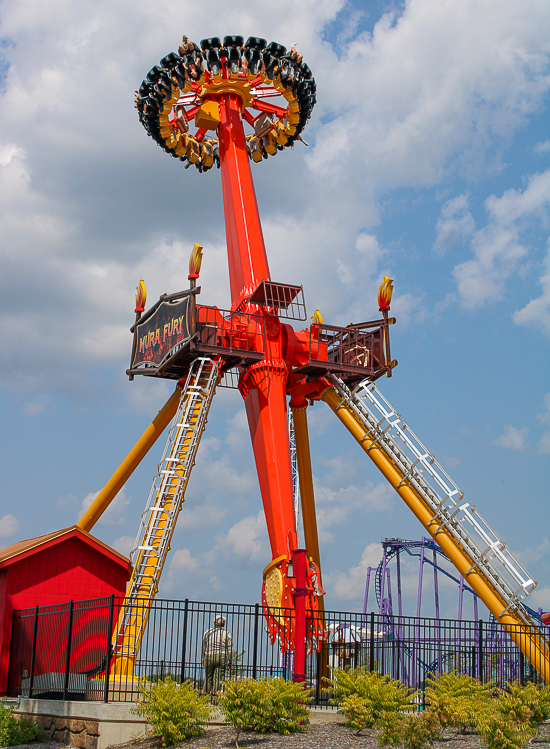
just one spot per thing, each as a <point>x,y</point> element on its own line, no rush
<point>222,87</point>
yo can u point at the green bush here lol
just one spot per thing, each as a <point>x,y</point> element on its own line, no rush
<point>525,703</point>
<point>457,700</point>
<point>411,731</point>
<point>364,696</point>
<point>12,731</point>
<point>498,732</point>
<point>176,712</point>
<point>420,731</point>
<point>514,717</point>
<point>265,706</point>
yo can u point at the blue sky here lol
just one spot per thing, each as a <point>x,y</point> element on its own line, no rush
<point>428,161</point>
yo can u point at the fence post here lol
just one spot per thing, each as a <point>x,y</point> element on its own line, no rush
<point>371,654</point>
<point>255,648</point>
<point>109,653</point>
<point>521,668</point>
<point>318,678</point>
<point>68,656</point>
<point>480,650</point>
<point>184,637</point>
<point>33,654</point>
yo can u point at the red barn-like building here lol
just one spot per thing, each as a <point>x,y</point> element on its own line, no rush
<point>69,564</point>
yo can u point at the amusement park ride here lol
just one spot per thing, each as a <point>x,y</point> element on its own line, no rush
<point>219,87</point>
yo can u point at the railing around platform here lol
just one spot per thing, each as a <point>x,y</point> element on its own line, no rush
<point>65,651</point>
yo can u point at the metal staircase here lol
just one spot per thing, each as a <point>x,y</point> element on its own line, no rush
<point>475,549</point>
<point>162,510</point>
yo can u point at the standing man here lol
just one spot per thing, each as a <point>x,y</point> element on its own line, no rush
<point>217,649</point>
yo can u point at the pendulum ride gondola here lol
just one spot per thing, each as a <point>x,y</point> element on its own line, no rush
<point>195,105</point>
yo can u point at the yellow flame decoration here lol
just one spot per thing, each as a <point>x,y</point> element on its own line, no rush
<point>317,318</point>
<point>141,296</point>
<point>195,260</point>
<point>385,293</point>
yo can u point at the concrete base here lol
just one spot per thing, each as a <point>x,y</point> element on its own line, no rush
<point>120,690</point>
<point>85,725</point>
<point>325,715</point>
<point>97,725</point>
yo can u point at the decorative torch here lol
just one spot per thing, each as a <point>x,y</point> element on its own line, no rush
<point>384,298</point>
<point>141,298</point>
<point>194,269</point>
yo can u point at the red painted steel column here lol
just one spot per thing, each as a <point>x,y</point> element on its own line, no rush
<point>263,386</point>
<point>299,563</point>
<point>245,241</point>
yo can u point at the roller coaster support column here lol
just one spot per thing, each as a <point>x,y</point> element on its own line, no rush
<point>263,386</point>
<point>299,562</point>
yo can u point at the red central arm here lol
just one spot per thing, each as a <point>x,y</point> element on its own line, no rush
<point>245,241</point>
<point>263,386</point>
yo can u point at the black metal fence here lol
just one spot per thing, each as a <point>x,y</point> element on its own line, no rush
<point>66,651</point>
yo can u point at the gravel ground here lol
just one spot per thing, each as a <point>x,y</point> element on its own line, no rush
<point>319,736</point>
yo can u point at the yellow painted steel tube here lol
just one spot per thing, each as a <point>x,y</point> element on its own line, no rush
<point>303,459</point>
<point>526,638</point>
<point>130,462</point>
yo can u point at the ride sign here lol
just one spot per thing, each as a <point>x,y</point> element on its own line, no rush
<point>160,333</point>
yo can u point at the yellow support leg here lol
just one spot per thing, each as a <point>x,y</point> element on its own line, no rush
<point>309,517</point>
<point>526,637</point>
<point>131,462</point>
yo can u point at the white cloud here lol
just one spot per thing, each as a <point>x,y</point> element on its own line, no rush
<point>513,438</point>
<point>247,539</point>
<point>439,82</point>
<point>540,597</point>
<point>544,418</point>
<point>533,554</point>
<point>542,147</point>
<point>455,225</point>
<point>9,525</point>
<point>436,87</point>
<point>350,585</point>
<point>181,564</point>
<point>36,406</point>
<point>115,513</point>
<point>199,517</point>
<point>498,249</point>
<point>537,312</point>
<point>124,544</point>
<point>335,507</point>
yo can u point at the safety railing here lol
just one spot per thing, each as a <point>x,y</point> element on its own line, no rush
<point>353,353</point>
<point>236,336</point>
<point>65,651</point>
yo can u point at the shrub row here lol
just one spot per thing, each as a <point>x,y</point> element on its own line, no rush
<point>178,712</point>
<point>505,719</point>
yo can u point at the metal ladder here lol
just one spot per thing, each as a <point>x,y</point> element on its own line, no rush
<point>163,506</point>
<point>383,429</point>
<point>294,467</point>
